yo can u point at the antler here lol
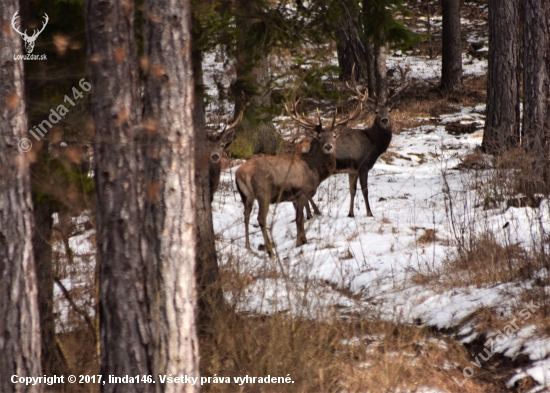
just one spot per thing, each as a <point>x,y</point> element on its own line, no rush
<point>13,19</point>
<point>403,86</point>
<point>302,120</point>
<point>362,97</point>
<point>46,19</point>
<point>36,33</point>
<point>235,123</point>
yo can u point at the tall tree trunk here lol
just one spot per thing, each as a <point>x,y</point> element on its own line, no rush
<point>256,133</point>
<point>376,49</point>
<point>503,79</point>
<point>380,72</point>
<point>451,58</point>
<point>536,90</point>
<point>350,47</point>
<point>169,156</point>
<point>127,344</point>
<point>371,67</point>
<point>210,298</point>
<point>145,192</point>
<point>20,350</point>
<point>53,360</point>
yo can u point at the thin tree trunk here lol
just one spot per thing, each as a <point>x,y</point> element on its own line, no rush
<point>371,67</point>
<point>380,72</point>
<point>503,79</point>
<point>256,133</point>
<point>127,342</point>
<point>536,91</point>
<point>350,47</point>
<point>169,158</point>
<point>375,51</point>
<point>20,350</point>
<point>451,57</point>
<point>53,360</point>
<point>210,298</point>
<point>429,27</point>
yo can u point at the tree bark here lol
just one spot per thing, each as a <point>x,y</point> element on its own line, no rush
<point>53,360</point>
<point>503,79</point>
<point>210,299</point>
<point>451,57</point>
<point>371,67</point>
<point>20,350</point>
<point>145,192</point>
<point>127,342</point>
<point>256,133</point>
<point>380,72</point>
<point>350,46</point>
<point>169,156</point>
<point>536,90</point>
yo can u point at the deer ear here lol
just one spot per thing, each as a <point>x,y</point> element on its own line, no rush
<point>227,137</point>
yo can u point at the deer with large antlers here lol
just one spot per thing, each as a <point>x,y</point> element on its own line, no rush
<point>290,177</point>
<point>216,143</point>
<point>29,41</point>
<point>358,149</point>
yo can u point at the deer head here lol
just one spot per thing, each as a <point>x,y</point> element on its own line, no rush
<point>29,41</point>
<point>217,142</point>
<point>327,135</point>
<point>382,108</point>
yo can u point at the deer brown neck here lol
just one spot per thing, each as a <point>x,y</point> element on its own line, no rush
<point>381,137</point>
<point>322,164</point>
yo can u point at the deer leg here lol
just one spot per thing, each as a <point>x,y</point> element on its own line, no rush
<point>248,203</point>
<point>300,231</point>
<point>308,212</point>
<point>262,219</point>
<point>316,210</point>
<point>363,179</point>
<point>352,191</point>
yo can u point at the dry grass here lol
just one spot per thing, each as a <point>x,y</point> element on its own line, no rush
<point>427,237</point>
<point>337,355</point>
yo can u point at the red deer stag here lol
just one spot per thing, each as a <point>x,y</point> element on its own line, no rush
<point>290,177</point>
<point>358,149</point>
<point>216,143</point>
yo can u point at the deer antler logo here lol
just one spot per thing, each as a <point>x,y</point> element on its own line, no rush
<point>29,41</point>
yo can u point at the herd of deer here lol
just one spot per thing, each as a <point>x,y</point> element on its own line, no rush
<point>295,177</point>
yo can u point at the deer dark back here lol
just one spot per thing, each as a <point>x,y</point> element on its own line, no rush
<point>358,149</point>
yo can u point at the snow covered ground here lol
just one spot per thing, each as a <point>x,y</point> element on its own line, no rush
<point>368,265</point>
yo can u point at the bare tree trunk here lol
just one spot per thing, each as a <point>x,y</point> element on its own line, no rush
<point>210,298</point>
<point>536,90</point>
<point>503,80</point>
<point>429,27</point>
<point>380,72</point>
<point>371,66</point>
<point>451,56</point>
<point>127,343</point>
<point>20,350</point>
<point>169,157</point>
<point>350,46</point>
<point>256,133</point>
<point>53,360</point>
